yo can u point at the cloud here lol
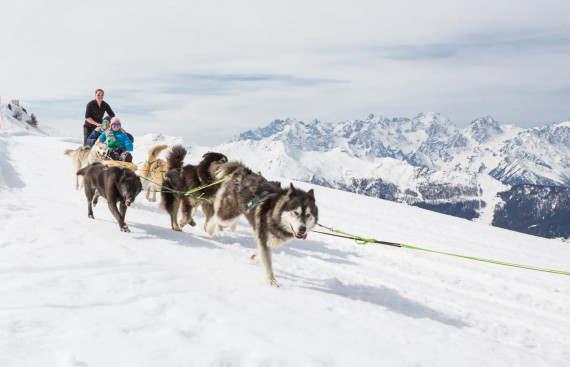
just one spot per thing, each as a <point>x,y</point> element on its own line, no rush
<point>521,44</point>
<point>224,84</point>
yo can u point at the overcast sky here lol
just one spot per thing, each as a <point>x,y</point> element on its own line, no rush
<point>208,70</point>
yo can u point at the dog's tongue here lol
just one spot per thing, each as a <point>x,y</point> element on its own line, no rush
<point>298,235</point>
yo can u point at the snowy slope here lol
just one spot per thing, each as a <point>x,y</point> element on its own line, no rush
<point>78,292</point>
<point>11,124</point>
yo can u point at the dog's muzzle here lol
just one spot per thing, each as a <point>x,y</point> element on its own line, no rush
<point>301,234</point>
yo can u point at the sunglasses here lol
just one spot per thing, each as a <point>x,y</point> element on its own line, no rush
<point>115,125</point>
<point>106,122</point>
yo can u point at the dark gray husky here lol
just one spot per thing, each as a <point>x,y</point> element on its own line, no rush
<point>116,184</point>
<point>276,215</point>
<point>182,178</point>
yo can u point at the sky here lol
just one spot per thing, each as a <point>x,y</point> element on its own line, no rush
<point>78,292</point>
<point>208,70</point>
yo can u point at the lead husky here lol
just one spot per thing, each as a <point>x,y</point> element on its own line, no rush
<point>275,214</point>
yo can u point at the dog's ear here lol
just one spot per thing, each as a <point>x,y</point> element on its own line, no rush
<point>292,189</point>
<point>312,193</point>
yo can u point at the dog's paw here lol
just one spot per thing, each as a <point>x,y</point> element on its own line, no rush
<point>177,229</point>
<point>91,216</point>
<point>254,259</point>
<point>211,227</point>
<point>185,221</point>
<point>125,229</point>
<point>273,283</point>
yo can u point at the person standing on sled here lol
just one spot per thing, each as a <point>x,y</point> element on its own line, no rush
<point>94,113</point>
<point>119,143</point>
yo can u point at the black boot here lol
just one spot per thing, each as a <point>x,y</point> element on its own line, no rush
<point>126,157</point>
<point>112,154</point>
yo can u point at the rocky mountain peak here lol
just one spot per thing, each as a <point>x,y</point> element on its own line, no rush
<point>275,127</point>
<point>483,129</point>
<point>435,125</point>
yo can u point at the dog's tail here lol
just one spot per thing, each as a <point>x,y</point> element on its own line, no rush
<point>175,158</point>
<point>154,152</point>
<point>68,151</point>
<point>229,168</point>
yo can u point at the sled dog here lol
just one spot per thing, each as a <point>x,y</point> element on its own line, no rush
<point>276,215</point>
<point>116,184</point>
<point>84,157</point>
<point>153,171</point>
<point>181,179</point>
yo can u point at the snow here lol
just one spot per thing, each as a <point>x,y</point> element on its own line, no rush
<point>78,292</point>
<point>563,124</point>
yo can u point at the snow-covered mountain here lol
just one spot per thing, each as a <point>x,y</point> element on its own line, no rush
<point>425,161</point>
<point>539,156</point>
<point>508,153</point>
<point>374,137</point>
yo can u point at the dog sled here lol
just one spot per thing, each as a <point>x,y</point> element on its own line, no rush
<point>111,163</point>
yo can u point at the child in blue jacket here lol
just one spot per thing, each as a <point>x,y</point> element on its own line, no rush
<point>119,143</point>
<point>104,126</point>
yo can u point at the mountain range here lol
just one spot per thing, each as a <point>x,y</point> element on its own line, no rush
<point>424,161</point>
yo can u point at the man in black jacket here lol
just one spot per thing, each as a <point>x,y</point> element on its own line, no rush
<point>94,114</point>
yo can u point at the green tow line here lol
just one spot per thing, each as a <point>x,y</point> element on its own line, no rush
<point>191,192</point>
<point>363,241</point>
<point>491,261</point>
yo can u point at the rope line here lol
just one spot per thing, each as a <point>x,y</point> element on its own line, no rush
<point>491,261</point>
<point>189,192</point>
<point>363,241</point>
